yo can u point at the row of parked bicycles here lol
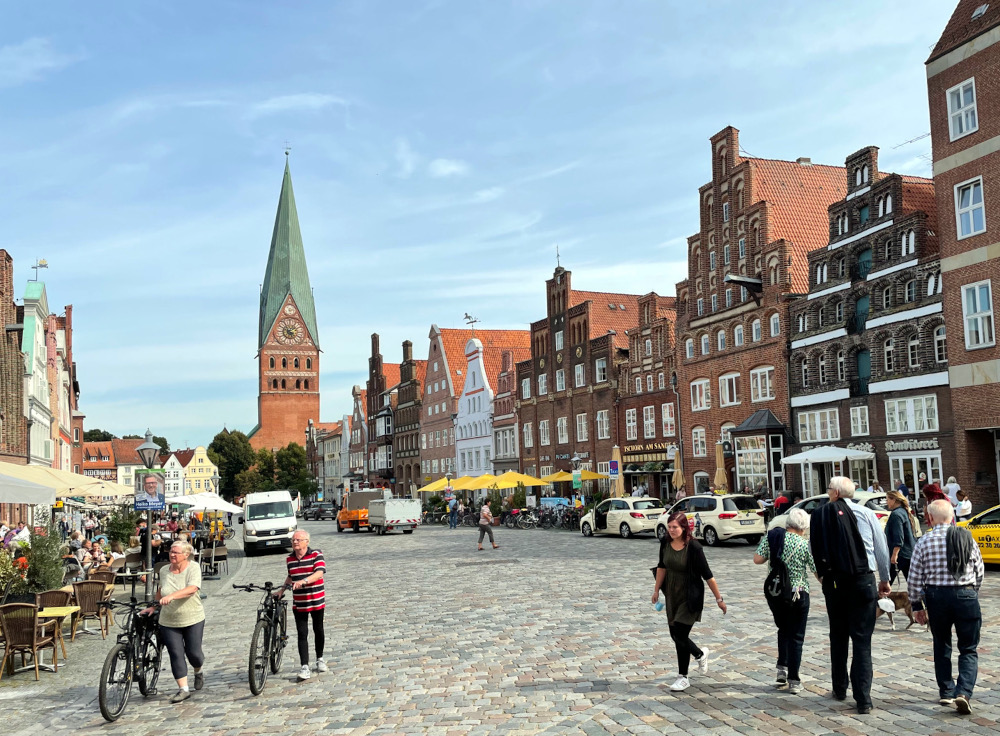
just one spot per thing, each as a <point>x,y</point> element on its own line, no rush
<point>548,517</point>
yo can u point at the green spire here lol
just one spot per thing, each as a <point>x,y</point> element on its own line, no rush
<point>286,268</point>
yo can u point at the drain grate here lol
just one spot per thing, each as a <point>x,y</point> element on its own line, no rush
<point>478,563</point>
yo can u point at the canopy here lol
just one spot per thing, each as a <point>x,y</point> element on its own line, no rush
<point>64,483</point>
<point>721,477</point>
<point>15,490</point>
<point>511,479</point>
<point>591,475</point>
<point>826,454</point>
<point>207,501</point>
<point>561,477</point>
<point>486,480</point>
<point>458,484</point>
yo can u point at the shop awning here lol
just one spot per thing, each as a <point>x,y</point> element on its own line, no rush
<point>64,483</point>
<point>15,490</point>
<point>826,454</point>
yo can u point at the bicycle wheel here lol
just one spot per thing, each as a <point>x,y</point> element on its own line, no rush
<point>279,640</point>
<point>116,682</point>
<point>148,671</point>
<point>230,533</point>
<point>259,651</point>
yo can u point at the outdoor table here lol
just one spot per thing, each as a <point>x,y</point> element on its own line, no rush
<point>59,614</point>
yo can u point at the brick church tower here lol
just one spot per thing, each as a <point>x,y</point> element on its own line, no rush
<point>288,341</point>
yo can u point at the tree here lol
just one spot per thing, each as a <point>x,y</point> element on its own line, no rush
<point>249,481</point>
<point>162,442</point>
<point>122,523</point>
<point>133,437</point>
<point>232,452</point>
<point>45,567</point>
<point>267,467</point>
<point>97,435</point>
<point>293,470</point>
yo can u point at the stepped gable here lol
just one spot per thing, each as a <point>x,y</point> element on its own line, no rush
<point>453,341</point>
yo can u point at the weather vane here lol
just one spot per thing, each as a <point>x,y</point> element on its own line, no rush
<point>288,148</point>
<point>471,321</point>
<point>557,257</point>
<point>42,263</point>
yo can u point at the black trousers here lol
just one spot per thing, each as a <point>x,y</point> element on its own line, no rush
<point>681,634</point>
<point>180,642</point>
<point>903,566</point>
<point>851,606</point>
<point>791,619</point>
<point>302,629</point>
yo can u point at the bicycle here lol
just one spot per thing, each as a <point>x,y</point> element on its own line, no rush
<point>136,656</point>
<point>270,636</point>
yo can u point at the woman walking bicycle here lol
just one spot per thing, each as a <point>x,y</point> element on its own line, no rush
<point>182,618</point>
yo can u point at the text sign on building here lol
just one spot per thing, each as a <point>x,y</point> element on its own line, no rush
<point>613,469</point>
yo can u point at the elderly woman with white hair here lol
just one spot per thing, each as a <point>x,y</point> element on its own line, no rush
<point>182,618</point>
<point>791,611</point>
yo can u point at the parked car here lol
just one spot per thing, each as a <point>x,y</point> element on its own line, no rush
<point>715,519</point>
<point>321,510</point>
<point>985,529</point>
<point>624,516</point>
<point>873,501</point>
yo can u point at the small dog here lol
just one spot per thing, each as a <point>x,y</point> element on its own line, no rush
<point>901,601</point>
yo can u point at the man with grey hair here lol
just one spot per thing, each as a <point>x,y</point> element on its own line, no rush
<point>849,548</point>
<point>946,572</point>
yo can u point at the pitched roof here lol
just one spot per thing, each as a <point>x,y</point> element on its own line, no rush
<point>183,456</point>
<point>760,419</point>
<point>918,196</point>
<point>798,197</point>
<point>286,268</point>
<point>453,342</point>
<point>606,313</point>
<point>421,371</point>
<point>125,451</point>
<point>962,27</point>
<point>518,342</point>
<point>94,451</point>
<point>391,373</point>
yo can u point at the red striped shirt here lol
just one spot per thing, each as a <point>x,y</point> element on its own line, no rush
<point>311,597</point>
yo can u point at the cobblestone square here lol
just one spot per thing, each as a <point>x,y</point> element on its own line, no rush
<point>551,634</point>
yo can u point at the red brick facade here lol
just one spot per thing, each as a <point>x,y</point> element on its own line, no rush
<point>13,442</point>
<point>406,438</point>
<point>383,378</point>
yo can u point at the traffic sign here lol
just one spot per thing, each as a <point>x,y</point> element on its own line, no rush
<point>613,469</point>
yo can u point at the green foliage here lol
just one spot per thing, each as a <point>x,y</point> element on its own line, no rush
<point>517,498</point>
<point>293,470</point>
<point>45,568</point>
<point>495,501</point>
<point>232,453</point>
<point>267,468</point>
<point>97,435</point>
<point>162,442</point>
<point>121,523</point>
<point>9,572</point>
<point>249,481</point>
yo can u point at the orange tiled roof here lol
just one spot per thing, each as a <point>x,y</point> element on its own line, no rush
<point>453,343</point>
<point>125,451</point>
<point>391,373</point>
<point>94,451</point>
<point>798,197</point>
<point>184,456</point>
<point>421,371</point>
<point>962,27</point>
<point>328,428</point>
<point>918,196</point>
<point>603,318</point>
<point>518,342</point>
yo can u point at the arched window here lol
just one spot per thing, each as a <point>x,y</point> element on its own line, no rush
<point>738,335</point>
<point>721,337</point>
<point>296,363</point>
<point>307,384</point>
<point>930,285</point>
<point>887,251</point>
<point>881,206</point>
<point>270,362</point>
<point>274,383</point>
<point>689,348</point>
<point>638,384</point>
<point>911,290</point>
<point>805,374</point>
<point>820,317</point>
<point>756,330</point>
<point>841,268</point>
<point>913,351</point>
<point>841,366</point>
<point>822,369</point>
<point>940,346</point>
<point>857,177</point>
<point>298,383</point>
<point>661,383</point>
<point>649,347</point>
<point>888,203</point>
<point>284,362</point>
<point>704,345</point>
<point>886,297</point>
<point>839,312</point>
<point>888,352</point>
<point>775,325</point>
<point>309,363</point>
<point>864,173</point>
<point>282,382</point>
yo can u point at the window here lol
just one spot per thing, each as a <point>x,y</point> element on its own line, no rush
<point>581,427</point>
<point>701,306</point>
<point>603,425</point>
<point>649,382</point>
<point>743,294</point>
<point>839,311</point>
<point>704,344</point>
<point>701,398</point>
<point>729,389</point>
<point>908,243</point>
<point>756,330</point>
<point>649,347</point>
<point>888,203</point>
<point>689,348</point>
<point>742,245</point>
<point>660,381</point>
<point>819,426</point>
<point>859,420</point>
<point>805,374</point>
<point>648,422</point>
<point>725,255</point>
<point>977,308</point>
<point>698,447</point>
<point>527,442</point>
<point>775,325</point>
<point>914,414</point>
<point>863,214</point>
<point>423,441</point>
<point>841,366</point>
<point>638,384</point>
<point>911,291</point>
<point>820,273</point>
<point>601,369</point>
<point>729,297</point>
<point>940,346</point>
<point>762,383</point>
<point>559,340</point>
<point>715,302</point>
<point>631,429</point>
<point>725,211</point>
<point>822,369</point>
<point>579,375</point>
<point>543,432</point>
<point>271,363</point>
<point>543,387</point>
<point>962,118</point>
<point>667,415</point>
<point>711,260</point>
<point>888,350</point>
<point>913,352</point>
<point>722,339</point>
<point>820,317</point>
<point>887,297</point>
<point>970,214</point>
<point>560,379</point>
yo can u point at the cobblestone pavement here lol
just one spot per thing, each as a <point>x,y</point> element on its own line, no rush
<point>551,634</point>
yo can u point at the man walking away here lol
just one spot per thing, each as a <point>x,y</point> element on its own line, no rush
<point>849,547</point>
<point>946,573</point>
<point>453,513</point>
<point>305,577</point>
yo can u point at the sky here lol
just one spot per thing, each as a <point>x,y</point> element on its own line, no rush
<point>441,150</point>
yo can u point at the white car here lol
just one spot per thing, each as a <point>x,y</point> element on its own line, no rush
<point>624,516</point>
<point>715,519</point>
<point>873,501</point>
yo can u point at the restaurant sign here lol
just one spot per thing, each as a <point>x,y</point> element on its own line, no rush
<point>901,445</point>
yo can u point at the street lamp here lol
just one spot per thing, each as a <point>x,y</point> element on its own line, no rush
<point>148,451</point>
<point>215,482</point>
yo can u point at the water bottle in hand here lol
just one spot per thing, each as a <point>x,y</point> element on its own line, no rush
<point>660,604</point>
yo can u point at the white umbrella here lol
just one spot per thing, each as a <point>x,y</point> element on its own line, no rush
<point>15,490</point>
<point>208,501</point>
<point>826,454</point>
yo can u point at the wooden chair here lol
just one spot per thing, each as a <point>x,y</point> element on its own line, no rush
<point>133,564</point>
<point>213,559</point>
<point>53,598</point>
<point>156,573</point>
<point>6,590</point>
<point>89,595</point>
<point>25,635</point>
<point>105,576</point>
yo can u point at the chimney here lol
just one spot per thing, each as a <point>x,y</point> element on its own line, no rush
<point>803,161</point>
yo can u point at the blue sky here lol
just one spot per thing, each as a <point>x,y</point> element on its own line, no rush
<point>441,150</point>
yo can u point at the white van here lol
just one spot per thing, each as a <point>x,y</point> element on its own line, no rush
<point>268,521</point>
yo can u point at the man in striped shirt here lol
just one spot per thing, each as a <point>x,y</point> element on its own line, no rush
<point>946,572</point>
<point>305,577</point>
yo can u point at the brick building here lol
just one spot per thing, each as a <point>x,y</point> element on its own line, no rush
<point>288,338</point>
<point>963,86</point>
<point>567,390</point>
<point>409,402</point>
<point>758,219</point>
<point>869,361</point>
<point>505,439</point>
<point>383,380</point>
<point>357,462</point>
<point>647,407</point>
<point>13,423</point>
<point>99,461</point>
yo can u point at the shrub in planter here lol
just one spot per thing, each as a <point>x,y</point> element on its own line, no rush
<point>121,524</point>
<point>11,571</point>
<point>44,561</point>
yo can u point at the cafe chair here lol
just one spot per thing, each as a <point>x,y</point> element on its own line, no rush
<point>53,599</point>
<point>25,635</point>
<point>89,594</point>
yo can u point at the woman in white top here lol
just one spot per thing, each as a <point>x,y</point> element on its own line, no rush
<point>952,488</point>
<point>964,510</point>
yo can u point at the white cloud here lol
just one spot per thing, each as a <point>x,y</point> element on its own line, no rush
<point>487,195</point>
<point>30,60</point>
<point>305,101</point>
<point>406,158</point>
<point>440,168</point>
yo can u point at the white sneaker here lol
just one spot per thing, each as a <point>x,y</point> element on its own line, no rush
<point>703,662</point>
<point>681,684</point>
<point>321,665</point>
<point>304,673</point>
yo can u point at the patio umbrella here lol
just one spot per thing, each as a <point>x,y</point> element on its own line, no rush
<point>486,480</point>
<point>591,475</point>
<point>678,477</point>
<point>561,477</point>
<point>63,482</point>
<point>207,501</point>
<point>721,479</point>
<point>618,487</point>
<point>511,479</point>
<point>15,490</point>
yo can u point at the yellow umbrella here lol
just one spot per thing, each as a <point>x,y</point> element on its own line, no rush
<point>561,477</point>
<point>511,479</point>
<point>618,487</point>
<point>486,480</point>
<point>441,483</point>
<point>591,475</point>
<point>721,479</point>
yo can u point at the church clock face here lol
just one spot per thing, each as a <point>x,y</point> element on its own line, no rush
<point>289,332</point>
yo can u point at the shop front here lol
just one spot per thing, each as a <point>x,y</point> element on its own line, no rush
<point>650,467</point>
<point>759,446</point>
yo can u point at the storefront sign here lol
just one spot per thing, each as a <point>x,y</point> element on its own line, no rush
<point>543,458</point>
<point>727,449</point>
<point>900,445</point>
<point>862,446</point>
<point>652,446</point>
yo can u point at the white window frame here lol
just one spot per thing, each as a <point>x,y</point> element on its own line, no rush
<point>600,370</point>
<point>762,377</point>
<point>757,331</point>
<point>525,388</point>
<point>963,110</point>
<point>631,428</point>
<point>698,446</point>
<point>649,382</point>
<point>544,438</point>
<point>940,344</point>
<point>560,379</point>
<point>711,260</point>
<point>562,430</point>
<point>603,424</point>
<point>543,384</point>
<point>903,416</point>
<point>859,421</point>
<point>742,245</point>
<point>775,325</point>
<point>559,339</point>
<point>668,420</point>
<point>705,344</point>
<point>725,211</point>
<point>981,318</point>
<point>725,255</point>
<point>701,306</point>
<point>913,352</point>
<point>689,348</point>
<point>729,298</point>
<point>811,425</point>
<point>701,395</point>
<point>729,389</point>
<point>526,431</point>
<point>579,375</point>
<point>581,427</point>
<point>720,338</point>
<point>649,347</point>
<point>738,337</point>
<point>970,210</point>
<point>715,302</point>
<point>649,422</point>
<point>638,384</point>
<point>661,381</point>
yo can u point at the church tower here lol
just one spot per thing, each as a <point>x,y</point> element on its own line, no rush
<point>288,341</point>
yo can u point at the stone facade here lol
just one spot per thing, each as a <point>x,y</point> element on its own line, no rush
<point>409,402</point>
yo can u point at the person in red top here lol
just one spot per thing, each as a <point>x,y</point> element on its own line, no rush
<point>305,577</point>
<point>780,503</point>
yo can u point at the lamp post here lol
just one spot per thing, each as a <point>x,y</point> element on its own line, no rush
<point>148,452</point>
<point>680,430</point>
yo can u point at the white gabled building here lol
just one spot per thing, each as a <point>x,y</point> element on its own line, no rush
<point>474,421</point>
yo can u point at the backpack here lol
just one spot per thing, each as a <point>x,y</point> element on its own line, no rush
<point>777,586</point>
